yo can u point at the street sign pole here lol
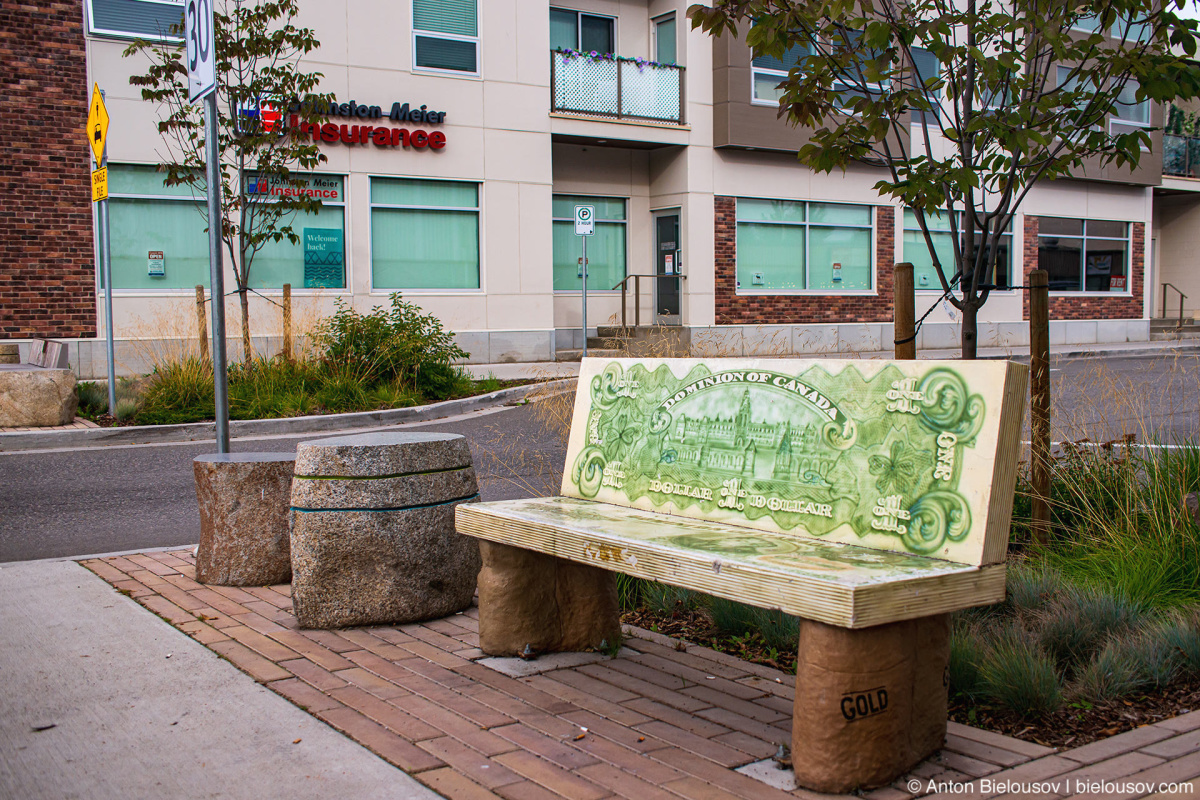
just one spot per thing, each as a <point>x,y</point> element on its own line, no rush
<point>585,266</point>
<point>200,42</point>
<point>216,274</point>
<point>97,134</point>
<point>585,226</point>
<point>106,271</point>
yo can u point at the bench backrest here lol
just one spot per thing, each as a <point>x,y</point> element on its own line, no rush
<point>46,353</point>
<point>914,456</point>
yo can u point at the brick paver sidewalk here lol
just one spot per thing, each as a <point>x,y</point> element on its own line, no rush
<point>662,721</point>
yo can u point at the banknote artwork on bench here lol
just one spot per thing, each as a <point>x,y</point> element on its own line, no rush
<point>890,455</point>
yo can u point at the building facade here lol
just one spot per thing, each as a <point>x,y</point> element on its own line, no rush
<point>464,135</point>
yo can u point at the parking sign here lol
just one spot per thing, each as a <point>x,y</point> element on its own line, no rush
<point>585,220</point>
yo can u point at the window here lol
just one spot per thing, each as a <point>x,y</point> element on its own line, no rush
<point>147,217</point>
<point>787,245</point>
<point>317,260</point>
<point>1129,114</point>
<point>606,248</point>
<point>767,72</point>
<point>574,30</point>
<point>664,40</point>
<point>135,18</point>
<point>1084,255</point>
<point>424,234</point>
<point>446,35</point>
<point>916,252</point>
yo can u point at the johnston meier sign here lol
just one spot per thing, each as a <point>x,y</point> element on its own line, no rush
<point>363,133</point>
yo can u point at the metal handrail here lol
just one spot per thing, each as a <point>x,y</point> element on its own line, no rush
<point>637,293</point>
<point>1182,297</point>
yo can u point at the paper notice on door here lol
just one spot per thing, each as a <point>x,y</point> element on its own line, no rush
<point>669,264</point>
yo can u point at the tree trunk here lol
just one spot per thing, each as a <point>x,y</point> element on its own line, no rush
<point>970,330</point>
<point>244,299</point>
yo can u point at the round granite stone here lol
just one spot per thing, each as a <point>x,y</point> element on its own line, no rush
<point>405,491</point>
<point>381,454</point>
<point>380,567</point>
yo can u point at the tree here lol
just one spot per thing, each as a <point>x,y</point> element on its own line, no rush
<point>967,103</point>
<point>259,84</point>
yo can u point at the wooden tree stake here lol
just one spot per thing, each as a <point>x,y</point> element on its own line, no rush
<point>201,323</point>
<point>287,321</point>
<point>1039,396</point>
<point>905,314</point>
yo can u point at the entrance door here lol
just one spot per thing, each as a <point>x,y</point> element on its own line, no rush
<point>667,268</point>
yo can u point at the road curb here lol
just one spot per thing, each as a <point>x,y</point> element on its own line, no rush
<point>1128,352</point>
<point>18,441</point>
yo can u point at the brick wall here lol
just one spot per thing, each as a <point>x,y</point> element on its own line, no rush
<point>735,309</point>
<point>47,286</point>
<point>1091,307</point>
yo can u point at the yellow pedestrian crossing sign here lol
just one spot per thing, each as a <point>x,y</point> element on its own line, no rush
<point>97,123</point>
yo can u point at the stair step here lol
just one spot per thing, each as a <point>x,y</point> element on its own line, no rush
<point>577,355</point>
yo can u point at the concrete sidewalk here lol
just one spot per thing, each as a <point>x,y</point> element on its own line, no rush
<point>99,699</point>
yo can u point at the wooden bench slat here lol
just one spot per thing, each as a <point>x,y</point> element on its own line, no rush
<point>844,585</point>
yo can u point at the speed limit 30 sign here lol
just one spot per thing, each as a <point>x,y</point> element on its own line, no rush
<point>201,49</point>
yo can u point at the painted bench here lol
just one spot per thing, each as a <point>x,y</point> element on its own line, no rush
<point>868,498</point>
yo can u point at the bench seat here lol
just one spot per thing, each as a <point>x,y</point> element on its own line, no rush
<point>838,584</point>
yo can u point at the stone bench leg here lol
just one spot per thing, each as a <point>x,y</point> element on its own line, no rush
<point>870,703</point>
<point>546,603</point>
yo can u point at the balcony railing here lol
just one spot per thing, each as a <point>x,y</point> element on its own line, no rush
<point>1181,156</point>
<point>611,86</point>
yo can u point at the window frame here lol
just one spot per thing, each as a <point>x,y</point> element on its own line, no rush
<point>93,30</point>
<point>871,227</point>
<point>345,206</point>
<point>477,40</point>
<point>1012,249</point>
<point>374,291</point>
<point>579,26</point>
<point>198,199</point>
<point>782,74</point>
<point>1085,237</point>
<point>655,22</point>
<point>625,239</point>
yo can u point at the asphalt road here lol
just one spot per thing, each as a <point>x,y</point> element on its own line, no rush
<point>109,499</point>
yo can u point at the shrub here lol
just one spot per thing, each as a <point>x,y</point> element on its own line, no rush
<point>778,630</point>
<point>401,344</point>
<point>968,651</point>
<point>93,398</point>
<point>1030,585</point>
<point>1113,673</point>
<point>1182,636</point>
<point>126,408</point>
<point>1018,675</point>
<point>1080,620</point>
<point>181,391</point>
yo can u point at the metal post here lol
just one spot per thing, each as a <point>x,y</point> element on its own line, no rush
<point>585,266</point>
<point>216,274</point>
<point>906,312</point>
<point>624,319</point>
<point>1039,397</point>
<point>637,301</point>
<point>106,271</point>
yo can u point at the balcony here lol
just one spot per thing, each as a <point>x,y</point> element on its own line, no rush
<point>614,87</point>
<point>1181,156</point>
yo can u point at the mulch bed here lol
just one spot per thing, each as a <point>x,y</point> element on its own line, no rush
<point>1071,726</point>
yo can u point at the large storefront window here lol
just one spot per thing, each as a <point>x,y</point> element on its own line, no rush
<point>787,245</point>
<point>1084,255</point>
<point>159,239</point>
<point>424,234</point>
<point>916,252</point>
<point>606,248</point>
<point>317,260</point>
<point>157,232</point>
